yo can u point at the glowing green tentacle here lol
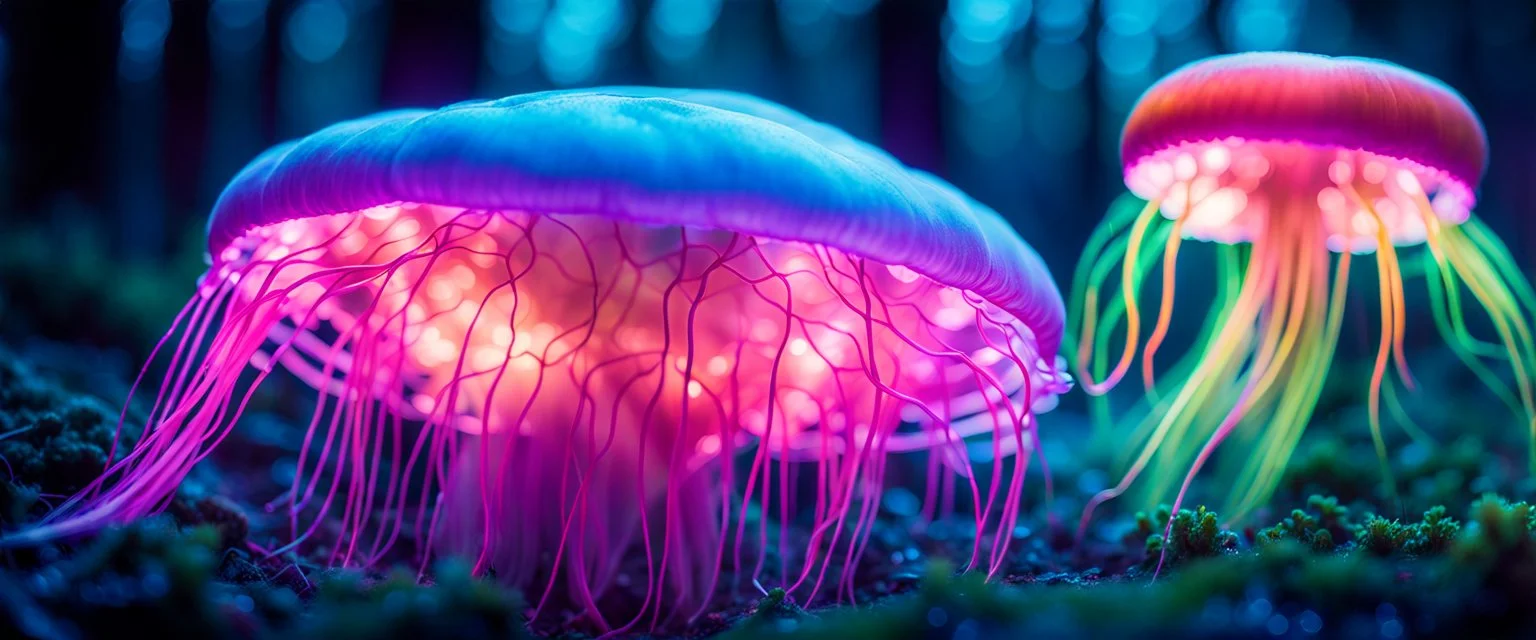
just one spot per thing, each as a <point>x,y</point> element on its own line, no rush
<point>1445,303</point>
<point>1448,286</point>
<point>1197,399</point>
<point>1230,271</point>
<point>1144,262</point>
<point>1488,285</point>
<point>1401,416</point>
<point>1296,402</point>
<point>1121,212</point>
<point>1108,251</point>
<point>1500,257</point>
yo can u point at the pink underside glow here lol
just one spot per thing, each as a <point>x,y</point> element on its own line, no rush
<point>460,319</point>
<point>1234,184</point>
<point>582,382</point>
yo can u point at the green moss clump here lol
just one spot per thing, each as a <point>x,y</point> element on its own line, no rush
<point>1194,534</point>
<point>1431,535</point>
<point>1300,526</point>
<point>776,605</point>
<point>1493,561</point>
<point>52,441</point>
<point>1435,533</point>
<point>148,575</point>
<point>1332,515</point>
<point>1147,525</point>
<point>456,605</point>
<point>1321,527</point>
<point>1498,529</point>
<point>1180,603</point>
<point>1381,536</point>
<point>1433,570</point>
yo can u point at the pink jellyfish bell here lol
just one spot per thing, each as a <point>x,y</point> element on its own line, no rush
<point>555,331</point>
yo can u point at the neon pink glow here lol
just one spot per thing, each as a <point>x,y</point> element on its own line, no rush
<point>1331,103</point>
<point>1224,190</point>
<point>584,386</point>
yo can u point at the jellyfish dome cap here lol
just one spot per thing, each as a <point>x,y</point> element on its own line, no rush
<point>1333,102</point>
<point>1278,122</point>
<point>694,158</point>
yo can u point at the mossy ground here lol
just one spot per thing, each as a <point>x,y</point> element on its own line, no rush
<point>1336,555</point>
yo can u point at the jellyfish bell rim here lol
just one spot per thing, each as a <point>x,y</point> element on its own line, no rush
<point>691,158</point>
<point>1324,102</point>
<point>1453,199</point>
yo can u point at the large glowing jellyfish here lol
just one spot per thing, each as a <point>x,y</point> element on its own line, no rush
<point>556,331</point>
<point>1291,166</point>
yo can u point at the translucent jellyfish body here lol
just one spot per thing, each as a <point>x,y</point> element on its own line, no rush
<point>1292,167</point>
<point>560,332</point>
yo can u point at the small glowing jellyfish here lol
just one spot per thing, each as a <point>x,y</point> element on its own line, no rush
<point>559,330</point>
<point>1291,166</point>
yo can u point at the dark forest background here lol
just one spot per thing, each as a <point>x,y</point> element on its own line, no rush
<point>121,121</point>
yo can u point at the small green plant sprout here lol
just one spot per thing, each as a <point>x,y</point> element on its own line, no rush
<point>1435,533</point>
<point>776,605</point>
<point>1194,534</point>
<point>1320,527</point>
<point>1381,536</point>
<point>1147,525</point>
<point>1301,527</point>
<point>1496,528</point>
<point>1431,535</point>
<point>1330,513</point>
